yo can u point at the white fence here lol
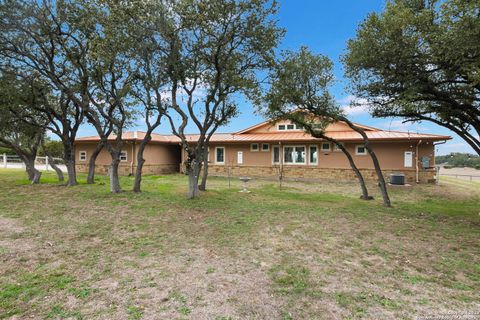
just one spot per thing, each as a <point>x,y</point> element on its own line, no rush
<point>41,163</point>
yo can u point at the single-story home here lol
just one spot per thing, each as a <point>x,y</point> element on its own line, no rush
<point>261,150</point>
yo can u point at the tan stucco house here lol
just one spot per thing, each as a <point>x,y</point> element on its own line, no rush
<point>260,150</point>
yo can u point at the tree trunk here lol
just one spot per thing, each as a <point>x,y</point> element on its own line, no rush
<point>193,175</point>
<point>69,158</point>
<point>365,195</point>
<point>113,173</point>
<point>381,180</point>
<point>52,164</point>
<point>71,173</point>
<point>203,184</point>
<point>91,163</point>
<point>140,161</point>
<point>33,174</point>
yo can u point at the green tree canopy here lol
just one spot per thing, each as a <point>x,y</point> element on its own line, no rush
<point>420,60</point>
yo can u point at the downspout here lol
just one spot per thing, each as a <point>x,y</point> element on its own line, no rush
<point>416,163</point>
<point>437,171</point>
<point>133,158</point>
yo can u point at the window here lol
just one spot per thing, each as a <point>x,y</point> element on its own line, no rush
<point>265,147</point>
<point>408,159</point>
<point>276,154</point>
<point>289,127</point>
<point>123,156</point>
<point>360,150</point>
<point>313,155</point>
<point>294,155</point>
<point>325,146</point>
<point>254,147</point>
<point>336,148</point>
<point>220,155</point>
<point>83,156</point>
<point>240,157</point>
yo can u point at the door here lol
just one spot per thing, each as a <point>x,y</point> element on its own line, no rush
<point>408,159</point>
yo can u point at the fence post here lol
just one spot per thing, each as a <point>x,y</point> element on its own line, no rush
<point>5,160</point>
<point>46,163</point>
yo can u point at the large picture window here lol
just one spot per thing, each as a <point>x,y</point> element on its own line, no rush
<point>294,154</point>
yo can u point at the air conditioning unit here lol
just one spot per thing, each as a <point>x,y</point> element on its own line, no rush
<point>397,179</point>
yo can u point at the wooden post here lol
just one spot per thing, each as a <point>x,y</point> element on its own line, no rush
<point>5,160</point>
<point>46,163</point>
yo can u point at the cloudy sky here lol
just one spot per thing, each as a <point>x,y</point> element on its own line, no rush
<point>325,26</point>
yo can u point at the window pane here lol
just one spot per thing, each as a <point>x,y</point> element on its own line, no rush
<point>288,154</point>
<point>265,146</point>
<point>276,154</point>
<point>313,155</point>
<point>299,127</point>
<point>281,127</point>
<point>325,146</point>
<point>220,154</point>
<point>254,146</point>
<point>290,126</point>
<point>300,155</point>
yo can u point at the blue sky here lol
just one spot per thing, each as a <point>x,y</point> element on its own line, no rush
<point>325,26</point>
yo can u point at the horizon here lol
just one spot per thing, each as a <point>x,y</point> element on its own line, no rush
<point>324,27</point>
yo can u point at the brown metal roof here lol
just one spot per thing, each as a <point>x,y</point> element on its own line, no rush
<point>377,135</point>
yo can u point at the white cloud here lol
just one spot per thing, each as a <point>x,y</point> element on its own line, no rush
<point>399,125</point>
<point>353,105</point>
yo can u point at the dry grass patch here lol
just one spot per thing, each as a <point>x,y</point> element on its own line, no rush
<point>311,250</point>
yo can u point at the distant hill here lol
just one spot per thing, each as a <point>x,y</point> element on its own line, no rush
<point>456,159</point>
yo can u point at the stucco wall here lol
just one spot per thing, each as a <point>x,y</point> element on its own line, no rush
<point>159,158</point>
<point>390,155</point>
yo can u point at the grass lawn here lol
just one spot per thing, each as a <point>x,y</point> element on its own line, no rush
<point>309,251</point>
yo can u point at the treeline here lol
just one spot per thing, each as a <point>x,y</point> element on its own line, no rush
<point>457,159</point>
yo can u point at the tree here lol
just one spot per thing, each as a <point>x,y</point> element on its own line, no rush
<point>419,60</point>
<point>151,61</point>
<point>299,92</point>
<point>215,50</point>
<point>16,134</point>
<point>51,149</point>
<point>80,49</point>
<point>45,41</point>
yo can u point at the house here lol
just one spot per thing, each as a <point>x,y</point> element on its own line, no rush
<point>260,151</point>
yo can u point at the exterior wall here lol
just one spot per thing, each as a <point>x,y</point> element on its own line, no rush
<point>331,164</point>
<point>273,127</point>
<point>159,158</point>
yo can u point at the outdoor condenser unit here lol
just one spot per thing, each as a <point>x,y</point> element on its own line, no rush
<point>397,179</point>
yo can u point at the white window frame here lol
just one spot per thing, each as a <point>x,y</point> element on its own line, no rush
<point>309,153</point>
<point>336,148</point>
<point>326,150</point>
<point>279,154</point>
<point>359,153</point>
<point>239,157</point>
<point>265,144</point>
<point>253,150</point>
<point>126,156</point>
<point>224,155</point>
<point>80,156</point>
<point>295,163</point>
<point>410,153</point>
<point>285,127</point>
